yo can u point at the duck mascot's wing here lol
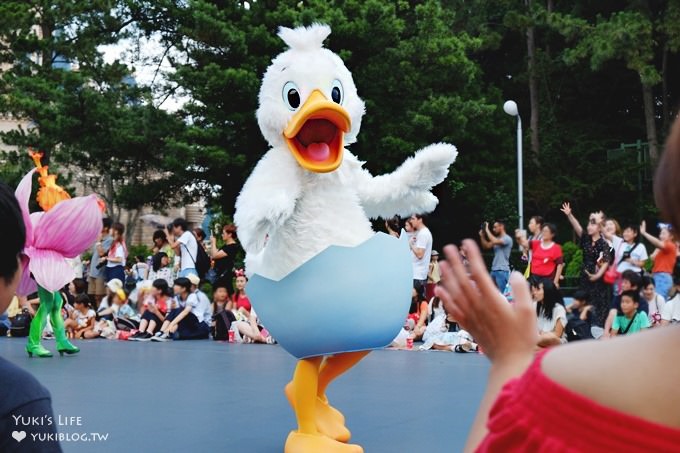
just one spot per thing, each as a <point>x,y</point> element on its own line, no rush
<point>267,199</point>
<point>407,189</point>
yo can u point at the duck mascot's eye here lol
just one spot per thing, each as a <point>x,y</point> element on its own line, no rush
<point>291,96</point>
<point>337,93</point>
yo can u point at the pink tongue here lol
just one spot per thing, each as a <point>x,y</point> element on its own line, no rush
<point>318,151</point>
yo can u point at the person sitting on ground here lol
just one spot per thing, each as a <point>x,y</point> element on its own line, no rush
<point>579,308</point>
<point>654,300</point>
<point>187,322</point>
<point>81,322</point>
<point>161,267</point>
<point>112,287</point>
<point>546,255</point>
<point>632,319</point>
<point>551,316</point>
<point>241,301</point>
<point>222,317</point>
<point>120,312</point>
<point>418,312</point>
<point>155,309</point>
<point>251,330</point>
<point>671,309</point>
<point>444,334</point>
<point>664,257</point>
<point>630,281</point>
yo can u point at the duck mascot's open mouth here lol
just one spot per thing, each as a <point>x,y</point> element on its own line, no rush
<point>314,135</point>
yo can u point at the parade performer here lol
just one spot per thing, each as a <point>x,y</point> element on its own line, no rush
<point>65,229</point>
<point>303,219</point>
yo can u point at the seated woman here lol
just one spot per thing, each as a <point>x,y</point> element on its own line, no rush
<point>251,331</point>
<point>186,322</point>
<point>81,322</point>
<point>241,303</point>
<point>418,312</point>
<point>551,316</point>
<point>222,317</point>
<point>155,307</point>
<point>161,268</point>
<point>444,334</point>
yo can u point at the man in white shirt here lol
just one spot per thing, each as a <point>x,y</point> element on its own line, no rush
<point>185,246</point>
<point>421,248</point>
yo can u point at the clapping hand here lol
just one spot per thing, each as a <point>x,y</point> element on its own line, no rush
<point>505,332</point>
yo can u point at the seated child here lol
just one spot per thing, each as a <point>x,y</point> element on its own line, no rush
<point>579,318</point>
<point>222,317</point>
<point>186,322</point>
<point>81,322</point>
<point>121,312</point>
<point>630,281</point>
<point>632,320</point>
<point>654,300</point>
<point>155,307</point>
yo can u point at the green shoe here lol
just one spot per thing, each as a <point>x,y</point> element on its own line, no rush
<point>37,350</point>
<point>65,347</point>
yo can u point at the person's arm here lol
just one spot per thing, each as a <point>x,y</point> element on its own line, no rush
<point>183,314</point>
<point>522,239</point>
<point>584,313</point>
<point>652,240</point>
<point>566,209</point>
<point>216,253</point>
<point>485,242</point>
<point>507,333</point>
<point>119,257</point>
<point>494,240</point>
<point>558,275</point>
<point>609,322</point>
<point>175,245</point>
<point>417,251</point>
<point>423,315</point>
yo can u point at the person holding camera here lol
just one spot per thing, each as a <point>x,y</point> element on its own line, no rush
<point>185,245</point>
<point>501,243</point>
<point>224,257</point>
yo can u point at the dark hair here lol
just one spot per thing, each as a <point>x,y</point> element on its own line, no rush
<point>635,295</point>
<point>551,227</point>
<point>551,297</point>
<point>636,230</point>
<point>231,229</point>
<point>80,285</point>
<point>119,227</point>
<point>666,187</point>
<point>579,294</point>
<point>500,222</point>
<point>538,219</point>
<point>106,223</point>
<point>12,231</point>
<point>200,234</point>
<point>156,260</point>
<point>415,303</point>
<point>633,277</point>
<point>421,217</point>
<point>183,282</point>
<point>139,258</point>
<point>159,234</point>
<point>394,223</point>
<point>162,286</point>
<point>180,222</point>
<point>646,281</point>
<point>82,299</point>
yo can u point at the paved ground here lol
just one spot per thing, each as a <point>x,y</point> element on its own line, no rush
<point>200,396</point>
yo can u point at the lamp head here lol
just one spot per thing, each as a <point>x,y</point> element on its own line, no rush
<point>510,107</point>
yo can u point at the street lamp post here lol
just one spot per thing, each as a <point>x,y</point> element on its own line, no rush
<point>510,107</point>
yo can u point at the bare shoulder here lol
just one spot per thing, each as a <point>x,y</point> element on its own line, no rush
<point>637,374</point>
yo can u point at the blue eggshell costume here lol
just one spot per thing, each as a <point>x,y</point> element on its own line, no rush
<point>344,299</point>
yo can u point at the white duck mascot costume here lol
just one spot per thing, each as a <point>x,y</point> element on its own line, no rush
<point>327,287</point>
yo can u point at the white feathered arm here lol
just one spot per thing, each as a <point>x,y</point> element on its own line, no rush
<point>267,199</point>
<point>406,190</point>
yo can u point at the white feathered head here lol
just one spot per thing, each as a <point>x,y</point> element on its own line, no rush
<point>308,100</point>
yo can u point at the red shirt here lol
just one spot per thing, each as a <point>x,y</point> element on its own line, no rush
<point>242,301</point>
<point>665,259</point>
<point>544,261</point>
<point>534,413</point>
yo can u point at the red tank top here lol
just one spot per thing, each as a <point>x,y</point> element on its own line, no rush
<point>534,413</point>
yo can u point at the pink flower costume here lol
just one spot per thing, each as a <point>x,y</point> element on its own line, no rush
<point>66,228</point>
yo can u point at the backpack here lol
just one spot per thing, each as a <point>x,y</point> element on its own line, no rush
<point>223,322</point>
<point>202,260</point>
<point>21,324</point>
<point>578,329</point>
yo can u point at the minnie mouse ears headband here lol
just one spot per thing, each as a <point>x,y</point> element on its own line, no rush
<point>240,273</point>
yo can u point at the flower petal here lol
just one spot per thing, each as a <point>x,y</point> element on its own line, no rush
<point>26,284</point>
<point>50,269</point>
<point>70,227</point>
<point>23,194</point>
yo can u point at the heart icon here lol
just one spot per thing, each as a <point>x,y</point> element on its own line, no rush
<point>19,435</point>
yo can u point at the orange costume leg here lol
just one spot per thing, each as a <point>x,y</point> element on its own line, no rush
<point>330,421</point>
<point>307,438</point>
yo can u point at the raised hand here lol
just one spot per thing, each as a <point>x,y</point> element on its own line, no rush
<point>506,332</point>
<point>643,227</point>
<point>566,208</point>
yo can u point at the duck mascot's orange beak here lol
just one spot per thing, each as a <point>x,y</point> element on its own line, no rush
<point>315,133</point>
